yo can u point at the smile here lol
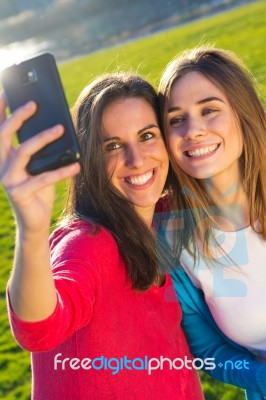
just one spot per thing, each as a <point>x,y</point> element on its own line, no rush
<point>140,180</point>
<point>203,151</point>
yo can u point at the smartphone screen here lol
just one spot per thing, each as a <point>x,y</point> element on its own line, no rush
<point>38,79</point>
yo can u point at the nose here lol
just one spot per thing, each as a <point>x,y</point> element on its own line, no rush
<point>195,128</point>
<point>134,157</point>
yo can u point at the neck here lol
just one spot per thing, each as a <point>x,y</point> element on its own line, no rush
<point>226,192</point>
<point>146,213</point>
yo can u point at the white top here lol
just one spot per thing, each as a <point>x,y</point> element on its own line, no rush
<point>235,289</point>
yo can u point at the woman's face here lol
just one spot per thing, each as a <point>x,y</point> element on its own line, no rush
<point>137,161</point>
<point>204,134</point>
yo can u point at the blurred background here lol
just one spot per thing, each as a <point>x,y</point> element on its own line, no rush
<point>74,27</point>
<point>90,37</point>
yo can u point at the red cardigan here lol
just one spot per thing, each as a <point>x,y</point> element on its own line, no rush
<point>99,315</point>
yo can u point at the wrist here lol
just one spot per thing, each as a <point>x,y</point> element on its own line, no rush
<point>38,236</point>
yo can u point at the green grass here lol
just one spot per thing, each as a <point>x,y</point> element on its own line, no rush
<point>242,30</point>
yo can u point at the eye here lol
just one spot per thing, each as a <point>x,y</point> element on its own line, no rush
<point>208,110</point>
<point>177,120</point>
<point>146,136</point>
<point>112,146</point>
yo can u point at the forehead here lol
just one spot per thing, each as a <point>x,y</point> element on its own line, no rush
<point>195,86</point>
<point>127,115</point>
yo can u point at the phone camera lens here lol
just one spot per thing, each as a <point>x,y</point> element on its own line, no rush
<point>29,77</point>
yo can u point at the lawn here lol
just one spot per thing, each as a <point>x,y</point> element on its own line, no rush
<point>242,30</point>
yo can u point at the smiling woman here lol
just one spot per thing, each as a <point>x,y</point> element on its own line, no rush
<point>136,157</point>
<point>215,128</point>
<point>96,294</point>
<point>204,133</point>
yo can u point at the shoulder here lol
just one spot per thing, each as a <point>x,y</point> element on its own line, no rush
<point>82,239</point>
<point>190,296</point>
<point>78,230</point>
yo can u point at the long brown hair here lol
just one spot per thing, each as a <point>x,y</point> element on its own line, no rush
<point>91,194</point>
<point>228,73</point>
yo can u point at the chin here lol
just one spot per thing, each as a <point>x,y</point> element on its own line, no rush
<point>200,175</point>
<point>146,203</point>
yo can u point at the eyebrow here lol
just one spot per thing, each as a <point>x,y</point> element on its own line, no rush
<point>109,139</point>
<point>202,101</point>
<point>147,127</point>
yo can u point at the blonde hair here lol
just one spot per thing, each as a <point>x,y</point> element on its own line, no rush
<point>228,73</point>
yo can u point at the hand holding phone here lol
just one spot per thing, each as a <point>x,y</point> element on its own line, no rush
<point>31,196</point>
<point>38,79</point>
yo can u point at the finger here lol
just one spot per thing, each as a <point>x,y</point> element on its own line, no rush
<point>10,126</point>
<point>15,121</point>
<point>52,177</point>
<point>3,107</point>
<point>42,181</point>
<point>25,151</point>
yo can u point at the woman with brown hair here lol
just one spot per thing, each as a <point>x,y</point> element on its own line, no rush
<point>93,308</point>
<point>216,135</point>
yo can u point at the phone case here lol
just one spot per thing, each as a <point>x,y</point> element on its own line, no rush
<point>38,79</point>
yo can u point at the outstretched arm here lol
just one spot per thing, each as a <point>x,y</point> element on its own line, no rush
<point>31,288</point>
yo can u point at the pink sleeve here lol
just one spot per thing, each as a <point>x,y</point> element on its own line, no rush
<point>75,276</point>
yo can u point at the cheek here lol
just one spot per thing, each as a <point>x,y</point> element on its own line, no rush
<point>240,145</point>
<point>163,151</point>
<point>240,142</point>
<point>173,144</point>
<point>162,155</point>
<point>156,150</point>
<point>235,138</point>
<point>111,168</point>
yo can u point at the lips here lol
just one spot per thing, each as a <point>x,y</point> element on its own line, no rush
<point>140,180</point>
<point>202,151</point>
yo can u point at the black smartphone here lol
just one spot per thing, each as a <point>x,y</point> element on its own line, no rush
<point>38,79</point>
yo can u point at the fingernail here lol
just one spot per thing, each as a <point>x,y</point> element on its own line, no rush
<point>73,167</point>
<point>29,104</point>
<point>57,128</point>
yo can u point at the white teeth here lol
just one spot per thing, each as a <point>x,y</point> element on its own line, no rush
<point>140,180</point>
<point>202,151</point>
